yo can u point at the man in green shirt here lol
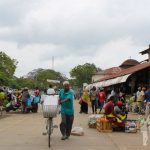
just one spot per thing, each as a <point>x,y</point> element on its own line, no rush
<point>67,110</point>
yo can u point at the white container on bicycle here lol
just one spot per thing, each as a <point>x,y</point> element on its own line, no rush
<point>50,106</point>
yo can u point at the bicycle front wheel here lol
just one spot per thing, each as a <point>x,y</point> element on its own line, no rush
<point>50,124</point>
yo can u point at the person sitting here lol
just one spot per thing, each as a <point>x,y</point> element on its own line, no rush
<point>109,111</point>
<point>120,111</point>
<point>2,98</point>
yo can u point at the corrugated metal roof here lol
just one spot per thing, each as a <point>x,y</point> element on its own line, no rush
<point>127,71</point>
<point>145,51</point>
<point>109,71</point>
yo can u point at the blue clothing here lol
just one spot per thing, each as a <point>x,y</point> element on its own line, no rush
<point>147,95</point>
<point>67,108</point>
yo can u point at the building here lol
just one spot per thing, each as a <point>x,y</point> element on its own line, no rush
<point>105,73</point>
<point>129,75</point>
<point>147,51</point>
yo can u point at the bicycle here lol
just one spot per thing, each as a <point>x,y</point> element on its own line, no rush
<point>50,111</point>
<point>49,128</point>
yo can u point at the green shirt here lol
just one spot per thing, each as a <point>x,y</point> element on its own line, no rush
<point>67,108</point>
<point>2,95</point>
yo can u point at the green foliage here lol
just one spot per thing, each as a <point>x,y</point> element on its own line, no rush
<point>83,73</point>
<point>22,82</point>
<point>7,68</point>
<point>37,78</point>
<point>42,76</point>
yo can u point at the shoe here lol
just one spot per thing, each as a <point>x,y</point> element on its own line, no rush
<point>67,137</point>
<point>63,138</point>
<point>44,133</point>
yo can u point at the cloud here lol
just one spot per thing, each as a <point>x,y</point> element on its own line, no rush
<point>73,31</point>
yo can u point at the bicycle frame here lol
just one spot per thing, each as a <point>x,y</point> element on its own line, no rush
<point>49,128</point>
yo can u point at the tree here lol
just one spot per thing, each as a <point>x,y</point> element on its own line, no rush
<point>38,77</point>
<point>83,73</point>
<point>42,76</point>
<point>7,68</point>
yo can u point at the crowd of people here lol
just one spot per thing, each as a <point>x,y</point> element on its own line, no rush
<point>27,100</point>
<point>114,106</point>
<point>95,98</point>
<point>142,101</point>
<point>22,99</point>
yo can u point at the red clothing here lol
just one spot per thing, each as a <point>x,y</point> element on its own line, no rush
<point>102,96</point>
<point>109,108</point>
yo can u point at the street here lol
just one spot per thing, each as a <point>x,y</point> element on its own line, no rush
<point>24,132</point>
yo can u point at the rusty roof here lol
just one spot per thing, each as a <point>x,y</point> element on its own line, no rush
<point>130,62</point>
<point>127,71</point>
<point>109,71</point>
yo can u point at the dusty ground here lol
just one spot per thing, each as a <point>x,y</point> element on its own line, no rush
<point>24,132</point>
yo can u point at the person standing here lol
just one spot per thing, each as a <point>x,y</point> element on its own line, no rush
<point>36,100</point>
<point>18,95</point>
<point>67,110</point>
<point>138,92</point>
<point>50,90</point>
<point>147,96</point>
<point>140,99</point>
<point>93,96</point>
<point>102,98</point>
<point>25,96</point>
<point>84,101</point>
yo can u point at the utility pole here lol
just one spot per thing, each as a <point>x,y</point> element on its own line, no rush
<point>53,60</point>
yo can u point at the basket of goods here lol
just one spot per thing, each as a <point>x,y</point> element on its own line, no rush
<point>50,106</point>
<point>130,126</point>
<point>104,125</point>
<point>93,121</point>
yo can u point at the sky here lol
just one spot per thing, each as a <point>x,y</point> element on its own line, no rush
<point>104,32</point>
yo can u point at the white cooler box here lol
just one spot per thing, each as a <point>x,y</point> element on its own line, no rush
<point>50,106</point>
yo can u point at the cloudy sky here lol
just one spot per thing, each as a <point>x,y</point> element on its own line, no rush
<point>104,32</point>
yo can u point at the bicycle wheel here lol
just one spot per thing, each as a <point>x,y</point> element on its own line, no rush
<point>50,124</point>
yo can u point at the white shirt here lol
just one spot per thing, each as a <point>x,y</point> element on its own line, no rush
<point>50,91</point>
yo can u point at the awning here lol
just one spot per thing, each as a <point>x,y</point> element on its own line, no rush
<point>114,81</point>
<point>110,82</point>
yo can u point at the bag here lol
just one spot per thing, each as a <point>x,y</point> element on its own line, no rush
<point>130,127</point>
<point>36,99</point>
<point>28,103</point>
<point>77,131</point>
<point>8,105</point>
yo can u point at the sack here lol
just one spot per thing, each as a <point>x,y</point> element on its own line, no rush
<point>8,105</point>
<point>28,103</point>
<point>130,127</point>
<point>77,131</point>
<point>36,99</point>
